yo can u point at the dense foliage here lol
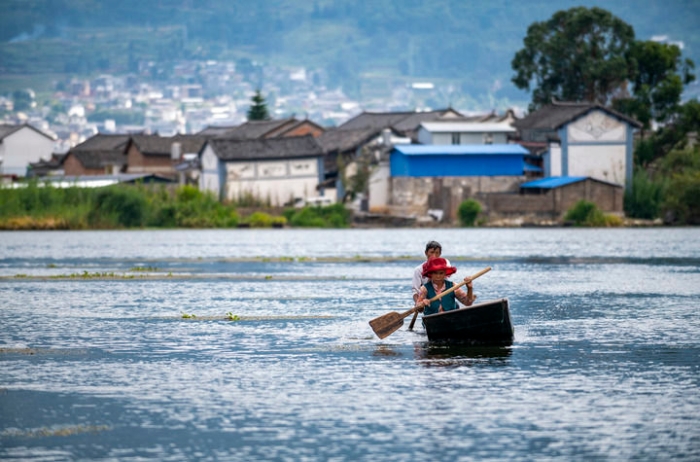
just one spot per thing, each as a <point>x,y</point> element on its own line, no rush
<point>468,211</point>
<point>585,54</point>
<point>137,206</point>
<point>585,213</point>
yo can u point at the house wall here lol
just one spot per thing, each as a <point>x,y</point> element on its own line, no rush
<point>139,163</point>
<point>210,179</point>
<point>426,137</point>
<point>278,181</point>
<point>596,145</point>
<point>22,147</point>
<point>71,166</point>
<point>414,196</point>
<point>379,188</point>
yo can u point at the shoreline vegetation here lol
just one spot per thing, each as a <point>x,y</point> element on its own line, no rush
<point>42,207</point>
<point>140,206</point>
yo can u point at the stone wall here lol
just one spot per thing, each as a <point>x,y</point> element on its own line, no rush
<point>499,196</point>
<point>415,196</point>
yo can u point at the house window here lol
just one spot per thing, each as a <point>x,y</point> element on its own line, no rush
<point>455,138</point>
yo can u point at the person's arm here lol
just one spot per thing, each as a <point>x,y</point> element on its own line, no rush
<point>468,297</point>
<point>417,282</point>
<point>421,300</point>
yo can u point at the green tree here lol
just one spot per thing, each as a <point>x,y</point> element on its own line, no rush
<point>468,211</point>
<point>657,83</point>
<point>22,99</point>
<point>258,110</point>
<point>579,54</point>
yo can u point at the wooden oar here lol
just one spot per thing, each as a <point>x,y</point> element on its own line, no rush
<point>389,323</point>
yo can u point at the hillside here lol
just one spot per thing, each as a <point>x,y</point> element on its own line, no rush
<point>359,45</point>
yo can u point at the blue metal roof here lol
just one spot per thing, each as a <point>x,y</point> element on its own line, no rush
<point>459,149</point>
<point>553,182</point>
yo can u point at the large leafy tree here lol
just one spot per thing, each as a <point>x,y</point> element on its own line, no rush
<point>258,110</point>
<point>579,54</point>
<point>657,83</point>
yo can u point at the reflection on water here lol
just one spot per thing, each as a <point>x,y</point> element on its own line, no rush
<point>276,360</point>
<point>445,354</point>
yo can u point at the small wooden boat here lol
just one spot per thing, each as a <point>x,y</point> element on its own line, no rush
<point>486,323</point>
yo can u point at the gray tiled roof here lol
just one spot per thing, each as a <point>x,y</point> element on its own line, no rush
<point>256,128</point>
<point>8,129</point>
<point>401,121</point>
<point>154,145</point>
<point>339,140</point>
<point>103,142</point>
<point>553,116</point>
<point>266,148</point>
<point>99,159</point>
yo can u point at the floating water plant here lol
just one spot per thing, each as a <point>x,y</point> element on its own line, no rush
<point>188,316</point>
<point>232,317</point>
<point>144,268</point>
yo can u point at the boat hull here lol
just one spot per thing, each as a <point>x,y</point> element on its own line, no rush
<point>486,323</point>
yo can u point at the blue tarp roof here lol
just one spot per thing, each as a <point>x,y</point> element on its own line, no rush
<point>553,182</point>
<point>459,149</point>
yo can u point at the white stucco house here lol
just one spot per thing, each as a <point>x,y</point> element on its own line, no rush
<point>581,140</point>
<point>275,170</point>
<point>21,145</point>
<point>464,132</point>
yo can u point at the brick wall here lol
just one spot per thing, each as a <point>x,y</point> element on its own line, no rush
<point>139,163</point>
<point>71,166</point>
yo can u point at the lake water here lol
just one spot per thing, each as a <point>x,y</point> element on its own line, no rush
<point>605,364</point>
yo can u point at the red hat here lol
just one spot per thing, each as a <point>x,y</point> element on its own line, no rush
<point>437,264</point>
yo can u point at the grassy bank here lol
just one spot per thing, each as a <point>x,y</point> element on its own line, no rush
<point>140,206</point>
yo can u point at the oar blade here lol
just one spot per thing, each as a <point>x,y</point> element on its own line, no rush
<point>386,325</point>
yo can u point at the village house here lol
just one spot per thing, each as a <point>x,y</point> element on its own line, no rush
<point>161,155</point>
<point>98,155</point>
<point>276,171</point>
<point>460,132</point>
<point>435,179</point>
<point>253,129</point>
<point>21,145</point>
<point>581,139</point>
<point>404,123</point>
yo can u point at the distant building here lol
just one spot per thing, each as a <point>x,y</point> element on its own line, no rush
<point>160,155</point>
<point>274,170</point>
<point>427,178</point>
<point>98,155</point>
<point>581,139</point>
<point>459,132</point>
<point>21,145</point>
<point>254,129</point>
<point>405,123</point>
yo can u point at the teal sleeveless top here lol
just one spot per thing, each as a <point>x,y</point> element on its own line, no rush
<point>448,301</point>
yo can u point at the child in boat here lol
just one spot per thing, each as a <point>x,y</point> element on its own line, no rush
<point>433,249</point>
<point>437,270</point>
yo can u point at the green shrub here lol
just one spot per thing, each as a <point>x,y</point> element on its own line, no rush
<point>468,211</point>
<point>643,199</point>
<point>119,206</point>
<point>585,213</point>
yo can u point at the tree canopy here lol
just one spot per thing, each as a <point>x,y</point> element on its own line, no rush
<point>585,54</point>
<point>258,110</point>
<point>579,54</point>
<point>658,81</point>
